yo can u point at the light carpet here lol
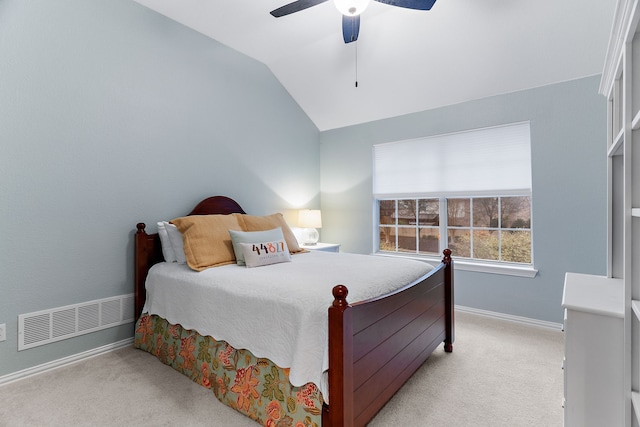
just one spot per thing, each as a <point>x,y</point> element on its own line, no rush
<point>499,374</point>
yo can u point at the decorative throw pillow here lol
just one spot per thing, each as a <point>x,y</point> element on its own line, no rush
<point>238,237</point>
<point>167,250</point>
<point>206,239</point>
<point>265,253</point>
<point>261,223</point>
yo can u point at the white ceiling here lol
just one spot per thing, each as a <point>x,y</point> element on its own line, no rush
<point>407,60</point>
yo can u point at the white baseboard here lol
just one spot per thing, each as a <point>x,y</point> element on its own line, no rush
<point>511,318</point>
<point>65,361</point>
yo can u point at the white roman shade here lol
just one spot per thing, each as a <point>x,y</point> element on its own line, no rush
<point>494,160</point>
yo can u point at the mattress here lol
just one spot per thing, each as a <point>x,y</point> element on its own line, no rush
<point>277,311</point>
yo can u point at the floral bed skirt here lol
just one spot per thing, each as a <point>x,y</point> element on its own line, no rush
<point>253,386</point>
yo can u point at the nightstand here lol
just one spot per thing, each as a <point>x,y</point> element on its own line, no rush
<point>326,247</point>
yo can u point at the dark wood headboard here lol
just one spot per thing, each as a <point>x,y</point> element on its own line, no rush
<point>148,250</point>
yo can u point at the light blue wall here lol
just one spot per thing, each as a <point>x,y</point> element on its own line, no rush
<point>111,114</point>
<point>568,139</point>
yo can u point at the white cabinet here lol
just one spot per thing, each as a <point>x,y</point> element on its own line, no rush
<point>594,351</point>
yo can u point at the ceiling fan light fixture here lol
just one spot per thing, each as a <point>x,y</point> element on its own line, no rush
<point>351,7</point>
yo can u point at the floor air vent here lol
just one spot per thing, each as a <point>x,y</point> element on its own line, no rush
<point>47,326</point>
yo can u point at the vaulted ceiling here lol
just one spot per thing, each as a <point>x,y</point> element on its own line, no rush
<point>406,60</point>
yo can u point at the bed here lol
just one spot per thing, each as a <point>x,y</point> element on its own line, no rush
<point>372,346</point>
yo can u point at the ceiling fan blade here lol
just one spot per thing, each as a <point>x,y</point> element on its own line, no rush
<point>296,6</point>
<point>410,4</point>
<point>350,28</point>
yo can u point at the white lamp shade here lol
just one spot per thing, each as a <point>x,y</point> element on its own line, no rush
<point>309,218</point>
<point>351,7</point>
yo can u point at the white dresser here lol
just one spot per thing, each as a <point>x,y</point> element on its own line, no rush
<point>594,351</point>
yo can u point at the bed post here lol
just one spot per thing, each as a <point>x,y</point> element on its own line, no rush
<point>449,303</point>
<point>147,253</point>
<point>140,271</point>
<point>340,362</point>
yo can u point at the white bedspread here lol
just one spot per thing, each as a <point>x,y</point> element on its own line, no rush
<point>277,311</point>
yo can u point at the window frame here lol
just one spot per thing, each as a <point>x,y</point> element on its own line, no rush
<point>468,264</point>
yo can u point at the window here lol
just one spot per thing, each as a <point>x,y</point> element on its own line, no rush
<point>410,226</point>
<point>468,191</point>
<point>481,228</point>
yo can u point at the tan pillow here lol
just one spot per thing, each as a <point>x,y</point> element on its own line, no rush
<point>263,223</point>
<point>206,239</point>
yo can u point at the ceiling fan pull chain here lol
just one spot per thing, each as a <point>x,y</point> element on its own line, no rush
<point>356,43</point>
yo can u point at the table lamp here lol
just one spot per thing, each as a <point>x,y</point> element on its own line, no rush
<point>309,220</point>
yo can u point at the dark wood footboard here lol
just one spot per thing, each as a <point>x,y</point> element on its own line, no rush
<point>376,345</point>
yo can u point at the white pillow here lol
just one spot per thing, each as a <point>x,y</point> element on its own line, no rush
<point>167,250</point>
<point>175,237</point>
<point>265,253</point>
<point>175,247</point>
<point>238,237</point>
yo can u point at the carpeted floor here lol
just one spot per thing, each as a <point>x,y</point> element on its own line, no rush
<point>499,374</point>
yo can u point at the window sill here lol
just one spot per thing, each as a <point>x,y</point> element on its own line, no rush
<point>477,266</point>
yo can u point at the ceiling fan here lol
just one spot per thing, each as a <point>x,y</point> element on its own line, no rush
<point>351,10</point>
